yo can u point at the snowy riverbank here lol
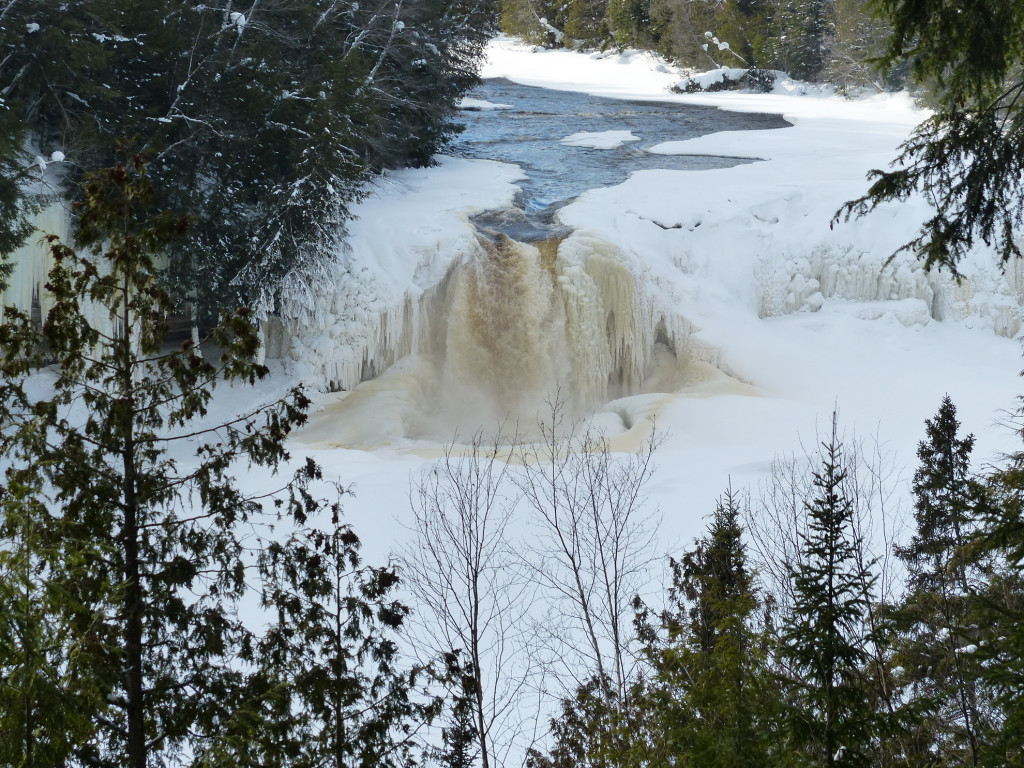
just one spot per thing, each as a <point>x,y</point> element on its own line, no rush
<point>798,317</point>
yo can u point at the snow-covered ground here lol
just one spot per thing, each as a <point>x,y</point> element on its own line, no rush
<point>790,317</point>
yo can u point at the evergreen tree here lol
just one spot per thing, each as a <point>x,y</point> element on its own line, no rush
<point>967,159</point>
<point>937,632</point>
<point>824,646</point>
<point>858,43</point>
<point>708,689</point>
<point>809,26</point>
<point>332,652</point>
<point>589,732</point>
<point>51,656</point>
<point>143,553</point>
<point>460,740</point>
<point>746,25</point>
<point>631,24</point>
<point>1000,609</point>
<point>262,119</point>
<point>15,203</point>
<point>706,698</point>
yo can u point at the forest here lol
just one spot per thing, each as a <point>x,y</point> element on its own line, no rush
<point>260,123</point>
<point>177,590</point>
<point>834,41</point>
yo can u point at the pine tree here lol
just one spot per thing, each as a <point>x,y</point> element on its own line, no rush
<point>824,645</point>
<point>938,634</point>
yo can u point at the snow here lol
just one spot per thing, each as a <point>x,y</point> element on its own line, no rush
<point>480,105</point>
<point>705,80</point>
<point>788,317</point>
<point>778,317</point>
<point>599,139</point>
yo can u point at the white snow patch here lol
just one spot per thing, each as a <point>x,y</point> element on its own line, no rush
<point>706,80</point>
<point>599,139</point>
<point>480,105</point>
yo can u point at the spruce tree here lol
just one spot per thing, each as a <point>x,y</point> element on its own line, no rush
<point>824,645</point>
<point>707,698</point>
<point>938,636</point>
<point>730,696</point>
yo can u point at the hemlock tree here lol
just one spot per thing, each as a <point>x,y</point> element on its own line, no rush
<point>824,647</point>
<point>136,556</point>
<point>939,635</point>
<point>332,652</point>
<point>967,160</point>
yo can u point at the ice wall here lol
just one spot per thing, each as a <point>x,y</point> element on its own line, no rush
<point>32,264</point>
<point>985,295</point>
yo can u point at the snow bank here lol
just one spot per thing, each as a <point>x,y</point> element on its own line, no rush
<point>599,139</point>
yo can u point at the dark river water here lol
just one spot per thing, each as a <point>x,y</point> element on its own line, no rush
<point>529,135</point>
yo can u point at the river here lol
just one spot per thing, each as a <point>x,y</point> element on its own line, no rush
<point>529,128</point>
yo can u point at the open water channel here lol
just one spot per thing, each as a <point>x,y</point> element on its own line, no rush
<point>529,130</point>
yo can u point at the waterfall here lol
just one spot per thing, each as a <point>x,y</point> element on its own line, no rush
<point>506,343</point>
<point>510,327</point>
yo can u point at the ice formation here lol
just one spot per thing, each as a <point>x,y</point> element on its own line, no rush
<point>32,263</point>
<point>991,297</point>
